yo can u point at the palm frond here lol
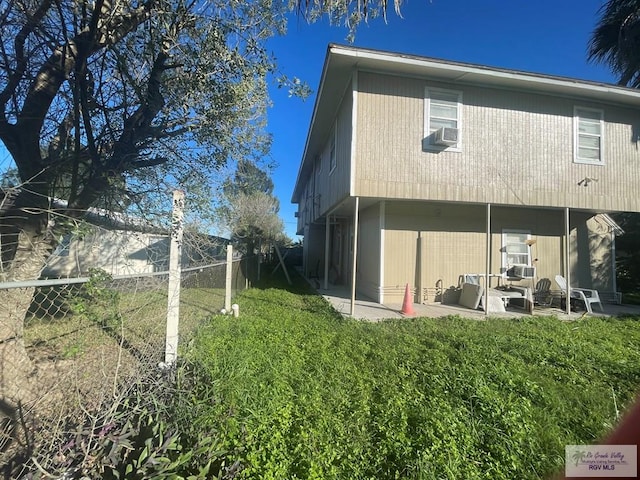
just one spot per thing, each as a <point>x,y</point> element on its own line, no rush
<point>615,41</point>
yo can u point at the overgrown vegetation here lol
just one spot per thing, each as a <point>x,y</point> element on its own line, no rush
<point>107,410</point>
<point>290,389</point>
<point>296,391</point>
<point>130,436</point>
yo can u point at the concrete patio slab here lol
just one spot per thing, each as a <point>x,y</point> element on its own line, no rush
<point>367,309</point>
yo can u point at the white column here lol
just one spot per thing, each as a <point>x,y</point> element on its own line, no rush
<point>327,243</point>
<point>382,229</point>
<point>487,261</point>
<point>613,264</point>
<point>355,256</point>
<point>567,256</point>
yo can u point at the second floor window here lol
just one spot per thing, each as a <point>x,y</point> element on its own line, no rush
<point>588,133</point>
<point>442,118</point>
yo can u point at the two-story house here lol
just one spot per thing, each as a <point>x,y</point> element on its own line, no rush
<point>419,170</point>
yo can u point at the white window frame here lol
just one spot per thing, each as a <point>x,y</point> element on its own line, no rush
<point>333,161</point>
<point>427,134</point>
<point>577,135</point>
<point>505,255</point>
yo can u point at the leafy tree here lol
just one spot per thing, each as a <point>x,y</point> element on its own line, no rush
<point>253,218</point>
<point>247,179</point>
<point>250,211</point>
<point>116,103</point>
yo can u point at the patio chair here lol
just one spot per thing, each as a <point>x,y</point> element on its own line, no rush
<point>585,295</point>
<point>542,294</point>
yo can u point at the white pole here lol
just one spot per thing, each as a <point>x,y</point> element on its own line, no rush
<point>355,256</point>
<point>613,266</point>
<point>567,253</point>
<point>175,255</point>
<point>228,279</point>
<point>488,261</point>
<point>327,239</point>
<point>419,253</point>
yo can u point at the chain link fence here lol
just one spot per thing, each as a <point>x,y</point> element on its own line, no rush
<point>92,338</point>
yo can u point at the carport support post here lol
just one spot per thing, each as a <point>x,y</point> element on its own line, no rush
<point>487,261</point>
<point>173,302</point>
<point>567,268</point>
<point>327,240</point>
<point>613,264</point>
<point>355,256</point>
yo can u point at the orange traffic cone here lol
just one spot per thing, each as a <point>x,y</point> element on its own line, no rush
<point>407,304</point>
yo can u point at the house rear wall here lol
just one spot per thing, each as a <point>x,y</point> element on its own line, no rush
<point>517,148</point>
<point>429,245</point>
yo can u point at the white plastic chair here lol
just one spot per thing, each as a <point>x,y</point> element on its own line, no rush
<point>583,294</point>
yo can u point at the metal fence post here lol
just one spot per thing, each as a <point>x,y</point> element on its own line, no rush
<point>175,254</point>
<point>228,279</point>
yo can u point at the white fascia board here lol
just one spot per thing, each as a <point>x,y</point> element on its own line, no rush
<point>478,74</point>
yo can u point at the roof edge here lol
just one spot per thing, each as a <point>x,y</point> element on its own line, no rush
<point>484,70</point>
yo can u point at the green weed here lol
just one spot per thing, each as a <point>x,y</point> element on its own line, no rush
<point>296,391</point>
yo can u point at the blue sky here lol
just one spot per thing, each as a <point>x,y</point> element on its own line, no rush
<point>542,36</point>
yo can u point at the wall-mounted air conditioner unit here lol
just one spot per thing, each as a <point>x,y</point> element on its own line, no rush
<point>446,136</point>
<point>521,271</point>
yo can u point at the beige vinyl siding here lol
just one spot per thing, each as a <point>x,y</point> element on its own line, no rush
<point>517,148</point>
<point>452,241</point>
<point>326,188</point>
<point>332,186</point>
<point>305,207</point>
<point>368,264</point>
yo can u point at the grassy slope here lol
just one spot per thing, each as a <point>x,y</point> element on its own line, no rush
<point>299,392</point>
